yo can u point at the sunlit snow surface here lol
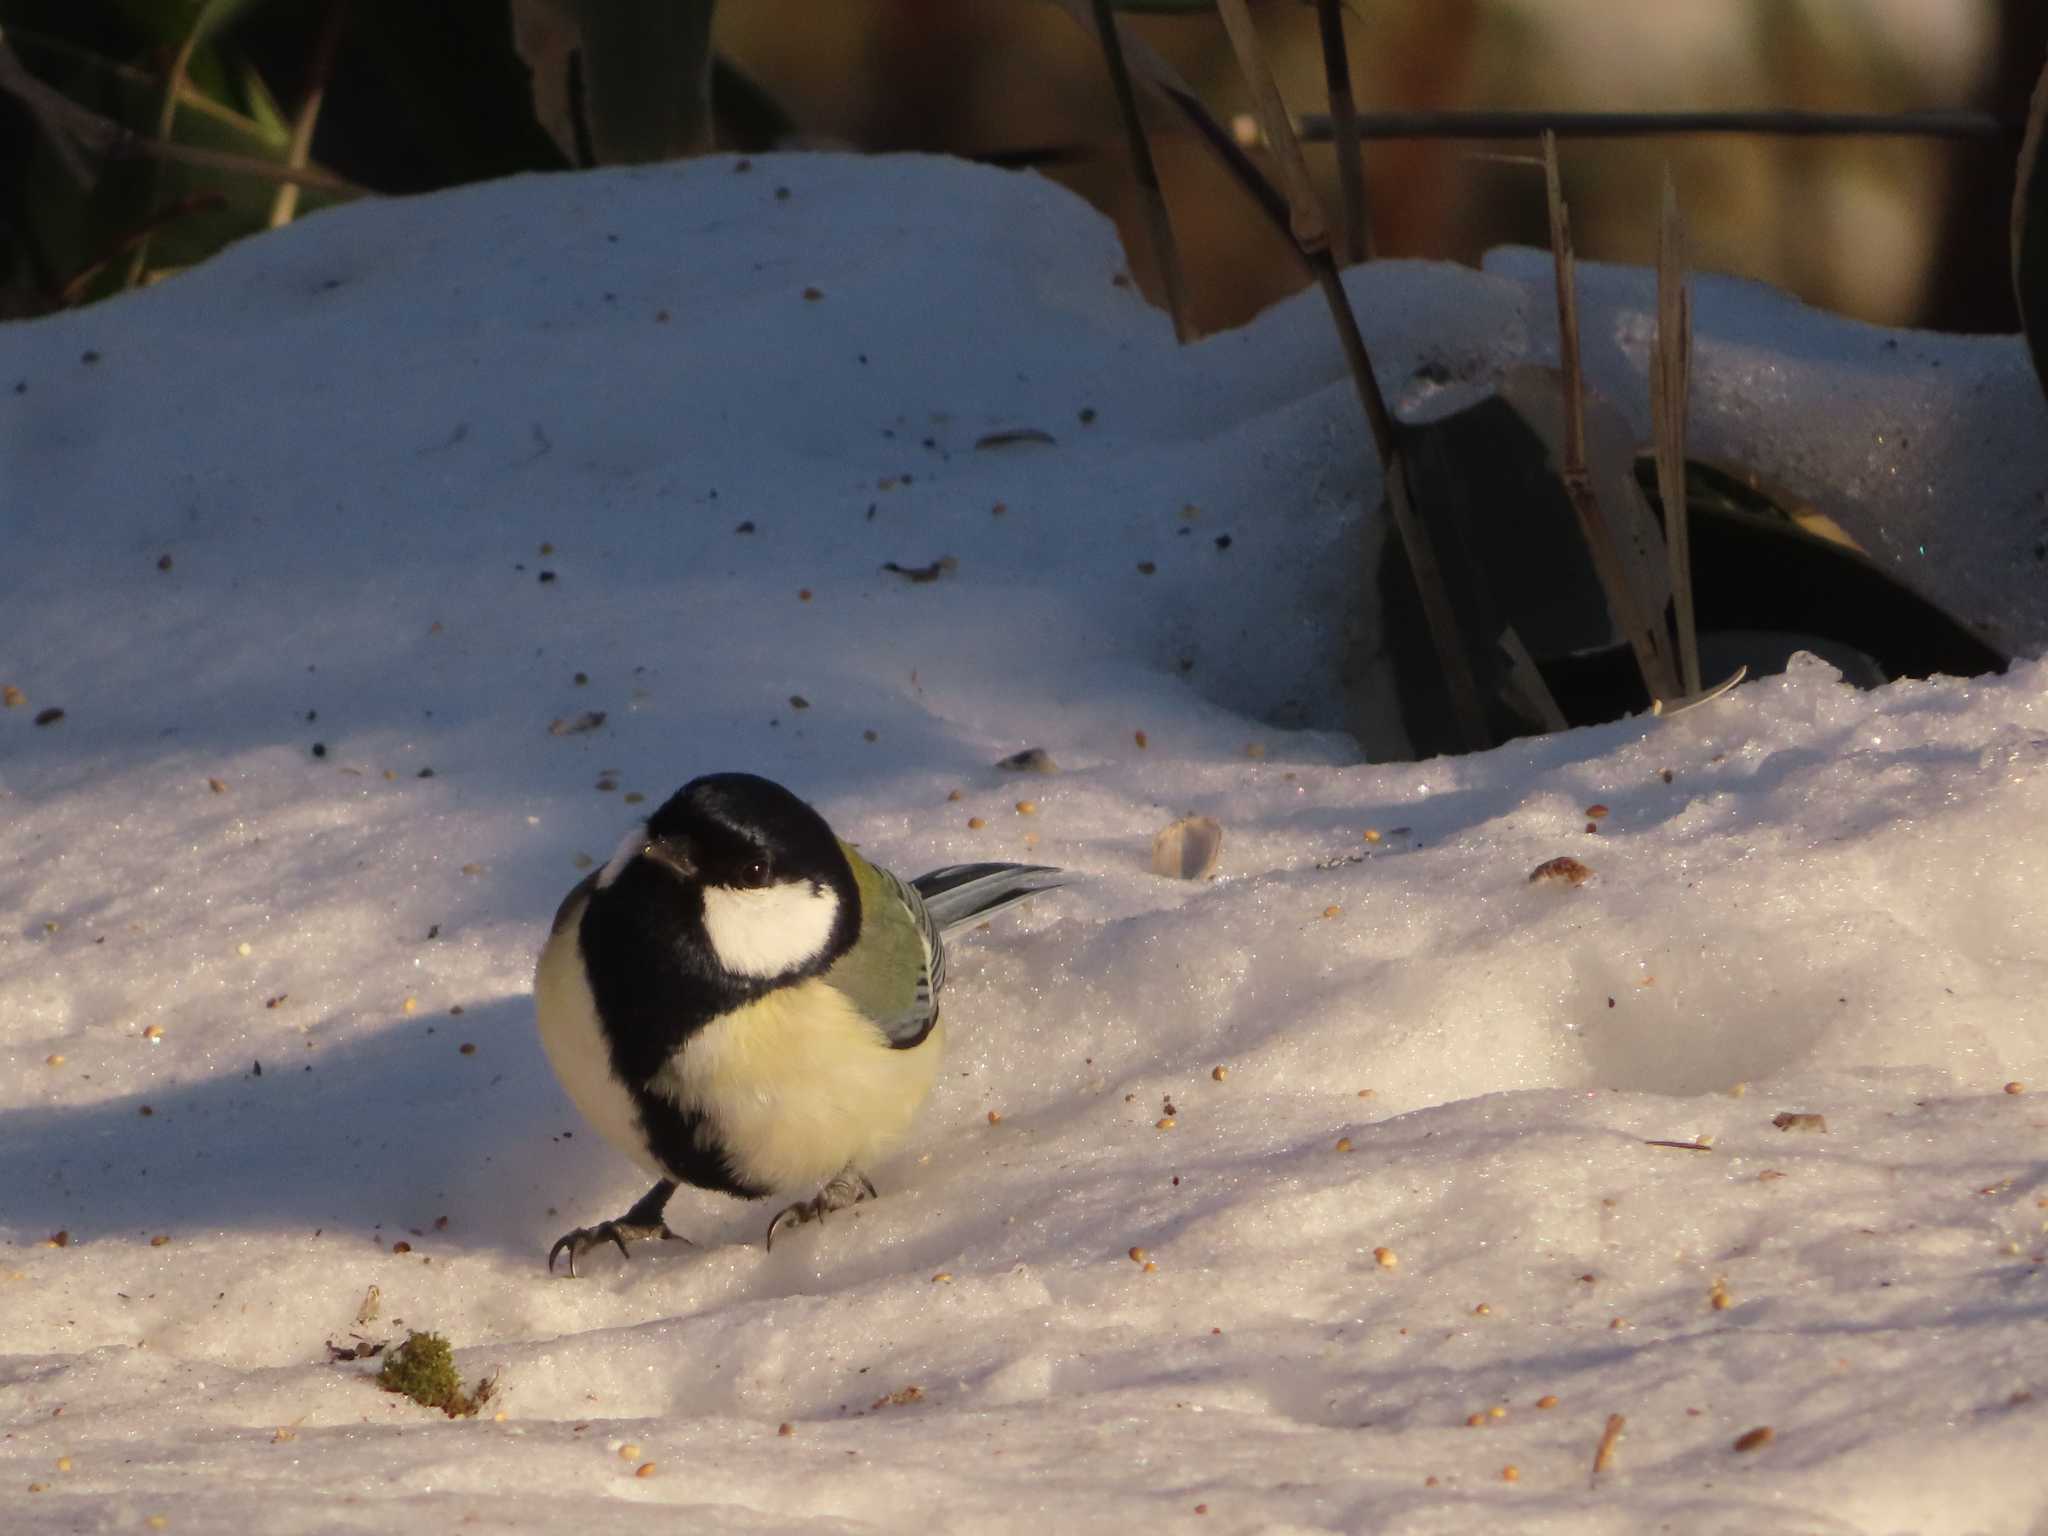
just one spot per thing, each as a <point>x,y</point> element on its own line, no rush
<point>353,441</point>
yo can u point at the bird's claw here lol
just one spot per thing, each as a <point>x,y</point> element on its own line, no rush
<point>583,1239</point>
<point>848,1188</point>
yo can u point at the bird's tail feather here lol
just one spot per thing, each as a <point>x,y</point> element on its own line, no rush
<point>961,894</point>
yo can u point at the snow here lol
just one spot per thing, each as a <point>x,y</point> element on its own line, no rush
<point>353,439</point>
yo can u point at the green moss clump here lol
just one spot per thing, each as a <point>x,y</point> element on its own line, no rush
<point>423,1369</point>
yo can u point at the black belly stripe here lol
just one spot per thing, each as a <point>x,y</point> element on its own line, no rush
<point>685,1146</point>
<point>648,1005</point>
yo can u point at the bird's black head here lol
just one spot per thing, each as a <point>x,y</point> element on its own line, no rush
<point>748,879</point>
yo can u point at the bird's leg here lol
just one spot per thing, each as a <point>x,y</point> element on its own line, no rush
<point>642,1222</point>
<point>849,1186</point>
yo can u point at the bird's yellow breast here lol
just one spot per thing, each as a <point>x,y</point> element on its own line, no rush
<point>801,1083</point>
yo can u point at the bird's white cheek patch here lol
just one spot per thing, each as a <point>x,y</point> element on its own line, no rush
<point>771,931</point>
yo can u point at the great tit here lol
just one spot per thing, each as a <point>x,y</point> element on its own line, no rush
<point>738,1000</point>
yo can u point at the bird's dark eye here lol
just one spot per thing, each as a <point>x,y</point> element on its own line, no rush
<point>754,874</point>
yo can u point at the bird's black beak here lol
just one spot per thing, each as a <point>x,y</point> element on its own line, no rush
<point>670,855</point>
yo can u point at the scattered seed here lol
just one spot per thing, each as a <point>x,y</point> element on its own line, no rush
<point>1343,1143</point>
<point>1139,1255</point>
<point>869,736</point>
<point>1219,1073</point>
<point>943,1277</point>
<point>629,1452</point>
<point>645,1469</point>
<point>54,1059</point>
<point>995,1117</point>
<point>1147,568</point>
<point>2015,1087</point>
<point>1547,1400</point>
<point>1567,869</point>
<point>411,1005</point>
<point>785,1429</point>
<point>468,1048</point>
<point>1596,812</point>
<point>634,797</point>
<point>1718,1297</point>
<point>49,716</point>
<point>975,823</point>
<point>472,869</point>
<point>1755,1439</point>
<point>1608,1437</point>
<point>160,1239</point>
<point>1141,739</point>
<point>146,1110</point>
<point>1768,1175</point>
<point>1148,1267</point>
<point>217,786</point>
<point>1027,807</point>
<point>1474,1420</point>
<point>1483,1310</point>
<point>1333,911</point>
<point>1255,750</point>
<point>1511,1473</point>
<point>1386,1258</point>
<point>12,697</point>
<point>1165,1123</point>
<point>58,1239</point>
<point>1811,1124</point>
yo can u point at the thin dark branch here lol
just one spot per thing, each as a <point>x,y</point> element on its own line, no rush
<point>1356,229</point>
<point>1311,237</point>
<point>1150,195</point>
<point>1782,123</point>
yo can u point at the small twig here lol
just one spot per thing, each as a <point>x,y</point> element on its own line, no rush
<point>1623,600</point>
<point>1153,199</point>
<point>1670,366</point>
<point>1357,226</point>
<point>1786,123</point>
<point>1603,1458</point>
<point>46,106</point>
<point>70,127</point>
<point>1528,679</point>
<point>69,291</point>
<point>285,206</point>
<point>167,117</point>
<point>1683,1146</point>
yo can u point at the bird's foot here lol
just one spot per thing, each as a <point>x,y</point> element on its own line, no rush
<point>848,1188</point>
<point>641,1224</point>
<point>583,1239</point>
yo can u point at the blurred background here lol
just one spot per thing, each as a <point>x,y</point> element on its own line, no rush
<point>1896,230</point>
<point>1900,231</point>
